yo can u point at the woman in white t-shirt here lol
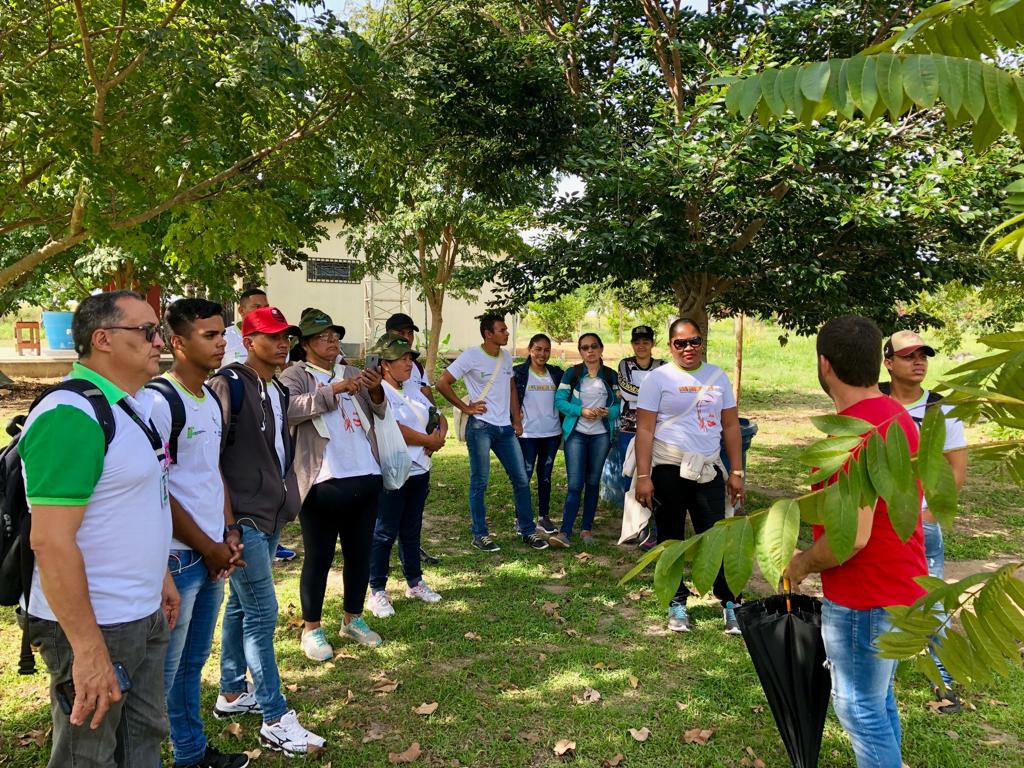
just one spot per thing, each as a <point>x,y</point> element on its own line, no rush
<point>685,411</point>
<point>400,512</point>
<point>588,396</point>
<point>536,382</point>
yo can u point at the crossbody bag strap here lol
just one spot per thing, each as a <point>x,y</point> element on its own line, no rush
<point>494,377</point>
<point>412,407</point>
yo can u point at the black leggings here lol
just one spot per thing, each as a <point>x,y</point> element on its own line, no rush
<point>675,496</point>
<point>344,509</point>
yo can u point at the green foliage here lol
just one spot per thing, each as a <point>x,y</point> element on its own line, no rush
<point>560,319</point>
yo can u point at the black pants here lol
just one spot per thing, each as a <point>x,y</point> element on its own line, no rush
<point>334,510</point>
<point>705,502</point>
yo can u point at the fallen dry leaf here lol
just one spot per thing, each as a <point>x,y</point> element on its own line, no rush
<point>584,556</point>
<point>634,681</point>
<point>253,754</point>
<point>385,686</point>
<point>997,703</point>
<point>425,708</point>
<point>698,735</point>
<point>349,698</point>
<point>935,706</point>
<point>600,665</point>
<point>296,622</point>
<point>613,762</point>
<point>589,696</point>
<point>528,737</point>
<point>35,736</point>
<point>572,632</point>
<point>344,655</point>
<point>312,750</point>
<point>408,756</point>
<point>232,729</point>
<point>564,747</point>
<point>953,735</point>
<point>472,636</point>
<point>640,734</point>
<point>550,608</point>
<point>757,709</point>
<point>542,657</point>
<point>329,665</point>
<point>375,732</point>
<point>559,574</point>
<point>681,706</point>
<point>293,687</point>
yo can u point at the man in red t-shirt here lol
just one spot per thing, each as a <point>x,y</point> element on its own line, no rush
<point>881,570</point>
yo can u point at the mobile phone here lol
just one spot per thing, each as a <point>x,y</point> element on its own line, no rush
<point>372,362</point>
<point>66,690</point>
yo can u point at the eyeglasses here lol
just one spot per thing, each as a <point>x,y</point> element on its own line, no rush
<point>589,347</point>
<point>148,330</point>
<point>328,336</point>
<point>694,341</point>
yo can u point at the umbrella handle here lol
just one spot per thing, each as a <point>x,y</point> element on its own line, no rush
<point>787,588</point>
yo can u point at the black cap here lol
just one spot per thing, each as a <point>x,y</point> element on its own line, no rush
<point>398,321</point>
<point>642,332</point>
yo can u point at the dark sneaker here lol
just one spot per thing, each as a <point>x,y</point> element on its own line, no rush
<point>534,541</point>
<point>949,695</point>
<point>559,540</point>
<point>545,524</point>
<point>214,758</point>
<point>428,558</point>
<point>485,544</point>
<point>648,538</point>
<point>283,554</point>
<point>732,627</point>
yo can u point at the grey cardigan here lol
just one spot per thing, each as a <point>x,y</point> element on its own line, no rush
<point>309,401</point>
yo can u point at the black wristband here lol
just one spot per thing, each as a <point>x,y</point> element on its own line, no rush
<point>233,527</point>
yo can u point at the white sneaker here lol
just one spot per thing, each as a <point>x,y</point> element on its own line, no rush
<point>245,704</point>
<point>315,645</point>
<point>380,605</point>
<point>422,592</point>
<point>358,630</point>
<point>289,737</point>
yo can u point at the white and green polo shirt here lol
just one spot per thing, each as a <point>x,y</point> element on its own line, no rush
<point>125,533</point>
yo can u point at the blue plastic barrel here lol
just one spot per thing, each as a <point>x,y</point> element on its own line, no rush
<point>58,330</point>
<point>748,429</point>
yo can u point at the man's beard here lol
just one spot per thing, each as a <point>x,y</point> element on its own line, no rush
<point>821,380</point>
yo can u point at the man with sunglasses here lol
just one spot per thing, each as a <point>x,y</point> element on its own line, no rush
<point>101,595</point>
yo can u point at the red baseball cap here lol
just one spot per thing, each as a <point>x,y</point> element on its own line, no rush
<point>267,320</point>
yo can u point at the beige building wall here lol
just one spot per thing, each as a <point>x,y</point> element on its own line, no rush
<point>349,304</point>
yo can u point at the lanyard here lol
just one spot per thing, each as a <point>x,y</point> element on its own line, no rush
<point>150,431</point>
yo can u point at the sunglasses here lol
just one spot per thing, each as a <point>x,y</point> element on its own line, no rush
<point>589,347</point>
<point>148,330</point>
<point>694,341</point>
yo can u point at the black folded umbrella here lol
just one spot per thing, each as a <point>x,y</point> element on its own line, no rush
<point>783,637</point>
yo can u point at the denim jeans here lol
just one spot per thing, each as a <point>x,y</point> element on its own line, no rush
<point>862,683</point>
<point>188,650</point>
<point>584,459</point>
<point>935,555</point>
<point>399,516</point>
<point>247,633</point>
<point>481,439</point>
<point>133,729</point>
<point>540,452</point>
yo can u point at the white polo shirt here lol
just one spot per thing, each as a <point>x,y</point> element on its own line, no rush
<point>235,351</point>
<point>474,367</point>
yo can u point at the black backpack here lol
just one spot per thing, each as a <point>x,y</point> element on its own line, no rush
<point>16,557</point>
<point>236,392</point>
<point>885,387</point>
<point>178,416</point>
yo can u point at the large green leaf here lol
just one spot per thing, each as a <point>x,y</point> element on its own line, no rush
<point>707,561</point>
<point>839,426</point>
<point>840,516</point>
<point>878,467</point>
<point>739,554</point>
<point>931,444</point>
<point>669,570</point>
<point>889,71</point>
<point>952,76</point>
<point>827,448</point>
<point>646,560</point>
<point>926,666</point>
<point>772,97</point>
<point>775,535</point>
<point>921,80</point>
<point>974,95</point>
<point>978,634</point>
<point>863,84</point>
<point>814,79</point>
<point>904,504</point>
<point>828,467</point>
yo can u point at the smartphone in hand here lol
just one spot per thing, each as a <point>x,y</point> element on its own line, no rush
<point>372,362</point>
<point>66,690</point>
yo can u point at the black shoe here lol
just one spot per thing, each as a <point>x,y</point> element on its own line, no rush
<point>428,558</point>
<point>214,758</point>
<point>545,524</point>
<point>533,541</point>
<point>485,544</point>
<point>949,695</point>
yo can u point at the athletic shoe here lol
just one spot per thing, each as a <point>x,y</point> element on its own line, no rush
<point>545,524</point>
<point>214,758</point>
<point>949,695</point>
<point>678,620</point>
<point>422,592</point>
<point>286,735</point>
<point>648,538</point>
<point>283,554</point>
<point>587,537</point>
<point>485,544</point>
<point>315,645</point>
<point>534,541</point>
<point>732,627</point>
<point>428,558</point>
<point>559,540</point>
<point>380,604</point>
<point>245,704</point>
<point>358,630</point>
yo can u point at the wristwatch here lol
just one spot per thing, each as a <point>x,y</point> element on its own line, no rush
<point>737,472</point>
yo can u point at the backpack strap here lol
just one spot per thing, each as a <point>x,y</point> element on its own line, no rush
<point>933,398</point>
<point>171,394</point>
<point>236,392</point>
<point>100,405</point>
<point>220,410</point>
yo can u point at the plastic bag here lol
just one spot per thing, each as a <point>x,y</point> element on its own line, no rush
<point>392,451</point>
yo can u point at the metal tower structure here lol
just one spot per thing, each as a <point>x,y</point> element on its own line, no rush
<point>382,297</point>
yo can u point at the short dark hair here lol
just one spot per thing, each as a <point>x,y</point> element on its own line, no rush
<point>680,321</point>
<point>488,321</point>
<point>250,293</point>
<point>853,347</point>
<point>95,312</point>
<point>180,314</point>
<point>538,337</point>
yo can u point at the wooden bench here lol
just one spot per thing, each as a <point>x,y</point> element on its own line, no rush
<point>26,336</point>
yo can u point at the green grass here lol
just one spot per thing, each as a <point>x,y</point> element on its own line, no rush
<point>506,699</point>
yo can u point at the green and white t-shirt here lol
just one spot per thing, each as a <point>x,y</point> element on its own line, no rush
<point>540,417</point>
<point>348,452</point>
<point>195,479</point>
<point>125,533</point>
<point>692,400</point>
<point>474,366</point>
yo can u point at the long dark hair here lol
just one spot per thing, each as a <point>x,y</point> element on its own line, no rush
<point>600,343</point>
<point>539,337</point>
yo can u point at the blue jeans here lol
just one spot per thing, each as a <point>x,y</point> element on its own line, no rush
<point>540,452</point>
<point>188,650</point>
<point>862,683</point>
<point>481,439</point>
<point>935,554</point>
<point>247,634</point>
<point>399,516</point>
<point>584,459</point>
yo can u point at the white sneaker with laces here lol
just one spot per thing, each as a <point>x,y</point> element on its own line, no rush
<point>380,605</point>
<point>422,592</point>
<point>315,645</point>
<point>245,704</point>
<point>286,735</point>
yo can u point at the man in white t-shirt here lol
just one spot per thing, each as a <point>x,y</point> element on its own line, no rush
<point>494,423</point>
<point>102,600</point>
<point>906,359</point>
<point>207,544</point>
<point>235,352</point>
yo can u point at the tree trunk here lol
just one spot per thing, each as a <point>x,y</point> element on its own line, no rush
<point>693,305</point>
<point>435,300</point>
